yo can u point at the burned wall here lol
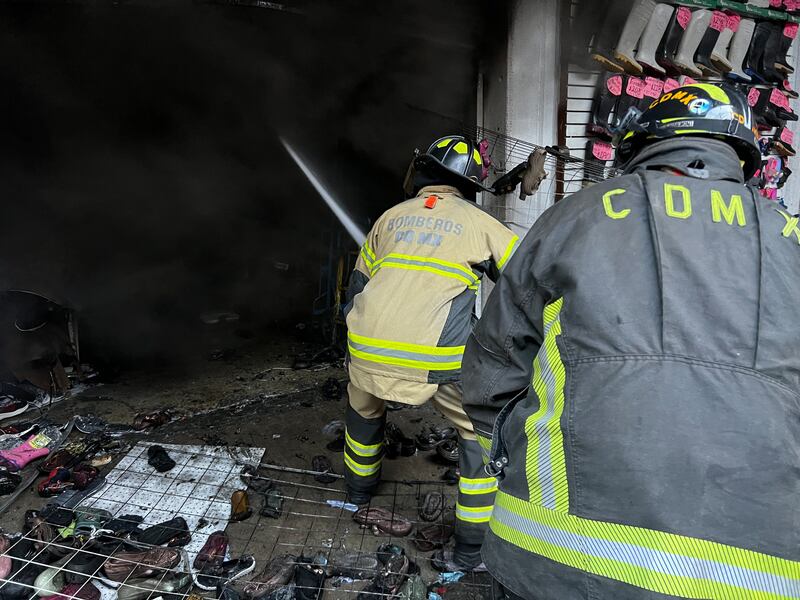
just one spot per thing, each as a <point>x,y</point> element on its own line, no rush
<point>140,172</point>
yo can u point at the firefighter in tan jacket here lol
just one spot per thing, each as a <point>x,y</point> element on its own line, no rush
<point>410,310</point>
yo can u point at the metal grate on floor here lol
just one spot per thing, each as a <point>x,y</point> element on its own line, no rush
<point>199,490</point>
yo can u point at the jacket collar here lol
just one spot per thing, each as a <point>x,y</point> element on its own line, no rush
<point>440,189</point>
<point>686,154</point>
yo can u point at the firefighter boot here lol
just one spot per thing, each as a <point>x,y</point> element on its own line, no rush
<point>363,452</point>
<point>476,491</point>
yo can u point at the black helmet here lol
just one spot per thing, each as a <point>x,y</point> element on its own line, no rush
<point>699,109</point>
<point>452,160</point>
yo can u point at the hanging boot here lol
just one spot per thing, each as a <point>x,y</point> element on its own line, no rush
<point>598,153</point>
<point>605,103</point>
<point>755,55</point>
<point>719,56</point>
<point>631,33</point>
<point>789,33</point>
<point>702,58</point>
<point>696,30</point>
<point>632,94</point>
<point>773,52</point>
<point>653,88</point>
<point>603,42</point>
<point>668,48</point>
<point>363,453</point>
<point>740,44</point>
<point>651,38</point>
<point>474,505</point>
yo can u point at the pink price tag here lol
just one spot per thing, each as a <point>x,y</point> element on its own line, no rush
<point>733,22</point>
<point>778,98</point>
<point>775,3</point>
<point>602,151</point>
<point>790,30</point>
<point>635,88</point>
<point>719,21</point>
<point>670,84</point>
<point>653,87</point>
<point>683,15</point>
<point>753,96</point>
<point>614,85</point>
<point>787,135</point>
<point>688,80</point>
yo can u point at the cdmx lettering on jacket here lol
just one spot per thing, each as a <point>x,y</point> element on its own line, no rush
<point>678,205</point>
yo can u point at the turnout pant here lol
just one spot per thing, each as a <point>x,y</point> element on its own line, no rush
<point>366,420</point>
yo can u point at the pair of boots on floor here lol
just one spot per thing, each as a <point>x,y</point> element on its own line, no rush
<point>363,454</point>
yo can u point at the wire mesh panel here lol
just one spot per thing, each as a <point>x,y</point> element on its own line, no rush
<point>566,174</point>
<point>315,526</point>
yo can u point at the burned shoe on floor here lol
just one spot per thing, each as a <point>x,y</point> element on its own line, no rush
<point>172,586</point>
<point>76,591</point>
<point>413,589</point>
<point>132,564</point>
<point>240,506</point>
<point>272,503</point>
<point>383,521</point>
<point>322,465</point>
<point>158,458</point>
<point>431,506</point>
<point>358,565</point>
<point>397,443</point>
<point>428,440</point>
<point>174,532</point>
<point>389,580</point>
<point>213,551</point>
<point>229,570</point>
<point>309,578</point>
<point>278,572</point>
<point>9,482</point>
<point>448,450</point>
<point>434,536</point>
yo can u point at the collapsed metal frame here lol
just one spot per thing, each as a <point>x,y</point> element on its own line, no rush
<point>308,526</point>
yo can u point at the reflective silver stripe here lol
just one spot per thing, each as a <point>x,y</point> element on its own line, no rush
<point>480,514</point>
<point>477,486</point>
<point>367,258</point>
<point>431,265</point>
<point>407,355</point>
<point>657,561</point>
<point>361,470</point>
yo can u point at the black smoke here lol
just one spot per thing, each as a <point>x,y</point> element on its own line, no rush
<point>140,174</point>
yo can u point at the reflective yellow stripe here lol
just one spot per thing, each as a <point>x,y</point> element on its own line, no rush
<point>404,362</point>
<point>392,345</point>
<point>474,487</point>
<point>545,462</point>
<point>473,514</point>
<point>369,251</point>
<point>437,266</point>
<point>362,470</point>
<point>654,560</point>
<point>486,447</point>
<point>367,259</point>
<point>512,245</point>
<point>362,449</point>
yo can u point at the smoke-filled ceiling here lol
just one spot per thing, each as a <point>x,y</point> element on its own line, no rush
<point>141,173</point>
